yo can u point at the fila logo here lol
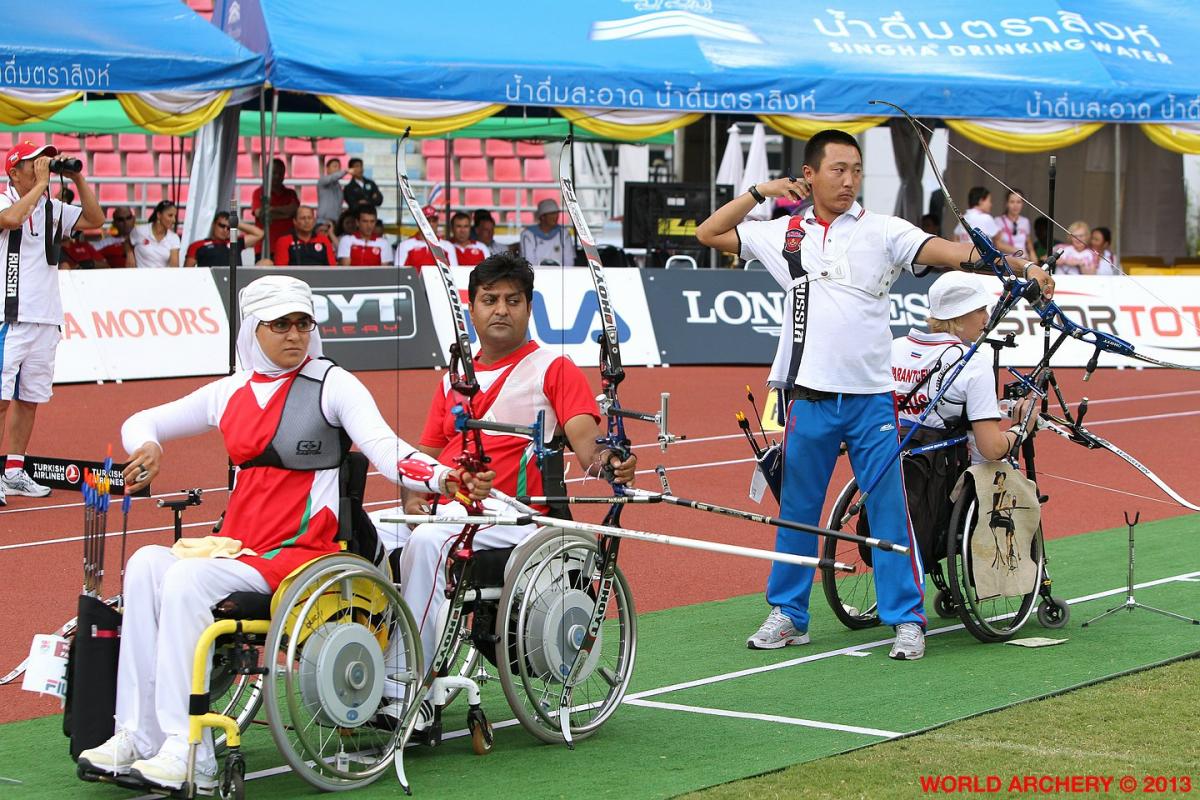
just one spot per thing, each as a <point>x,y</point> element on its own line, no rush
<point>308,447</point>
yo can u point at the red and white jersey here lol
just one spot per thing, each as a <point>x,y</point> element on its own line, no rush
<point>288,517</point>
<point>374,252</point>
<point>413,252</point>
<point>31,284</point>
<point>977,219</point>
<point>1016,234</point>
<point>513,390</point>
<point>469,254</point>
<point>970,398</point>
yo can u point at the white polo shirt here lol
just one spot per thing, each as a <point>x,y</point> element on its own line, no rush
<point>836,328</point>
<point>977,219</point>
<point>151,253</point>
<point>36,297</point>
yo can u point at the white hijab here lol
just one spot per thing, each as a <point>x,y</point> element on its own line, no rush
<point>269,299</point>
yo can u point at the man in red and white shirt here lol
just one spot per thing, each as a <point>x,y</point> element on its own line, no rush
<point>112,248</point>
<point>517,379</point>
<point>363,248</point>
<point>413,252</point>
<point>467,251</point>
<point>303,247</point>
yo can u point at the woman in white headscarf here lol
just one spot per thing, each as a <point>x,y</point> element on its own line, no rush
<point>288,419</point>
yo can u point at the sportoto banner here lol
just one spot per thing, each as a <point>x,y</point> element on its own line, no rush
<point>369,318</point>
<point>566,315</point>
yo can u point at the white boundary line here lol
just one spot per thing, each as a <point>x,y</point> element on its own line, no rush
<point>807,723</point>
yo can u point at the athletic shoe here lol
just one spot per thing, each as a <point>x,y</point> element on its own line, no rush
<point>114,757</point>
<point>777,631</point>
<point>391,713</point>
<point>22,484</point>
<point>170,771</point>
<point>3,499</point>
<point>910,642</point>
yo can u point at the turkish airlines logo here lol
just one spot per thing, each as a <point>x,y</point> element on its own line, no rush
<point>673,23</point>
<point>72,473</point>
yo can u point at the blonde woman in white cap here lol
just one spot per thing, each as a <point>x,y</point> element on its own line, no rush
<point>283,511</point>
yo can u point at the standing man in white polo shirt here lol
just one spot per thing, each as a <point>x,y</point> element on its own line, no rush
<point>837,262</point>
<point>29,243</point>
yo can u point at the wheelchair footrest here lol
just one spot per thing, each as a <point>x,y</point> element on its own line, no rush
<point>134,783</point>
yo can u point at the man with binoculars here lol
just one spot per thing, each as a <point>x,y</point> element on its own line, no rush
<point>32,226</point>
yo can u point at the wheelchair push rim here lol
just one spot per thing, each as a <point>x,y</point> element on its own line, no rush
<point>851,596</point>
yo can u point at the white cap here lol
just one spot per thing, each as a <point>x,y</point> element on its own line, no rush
<point>957,293</point>
<point>276,296</point>
<point>547,206</point>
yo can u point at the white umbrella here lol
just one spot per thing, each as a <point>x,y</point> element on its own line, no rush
<point>756,171</point>
<point>730,171</point>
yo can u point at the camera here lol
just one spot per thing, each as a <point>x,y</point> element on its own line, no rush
<point>61,165</point>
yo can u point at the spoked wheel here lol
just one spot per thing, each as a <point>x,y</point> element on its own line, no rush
<point>234,695</point>
<point>989,619</point>
<point>545,609</point>
<point>850,595</point>
<point>329,647</point>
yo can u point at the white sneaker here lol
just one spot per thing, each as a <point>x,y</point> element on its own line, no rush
<point>22,484</point>
<point>170,771</point>
<point>115,756</point>
<point>777,631</point>
<point>910,642</point>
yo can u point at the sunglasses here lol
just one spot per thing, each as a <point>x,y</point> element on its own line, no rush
<point>283,325</point>
<point>223,226</point>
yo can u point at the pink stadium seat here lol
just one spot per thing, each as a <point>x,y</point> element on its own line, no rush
<point>506,170</point>
<point>66,143</point>
<point>148,194</point>
<point>179,195</point>
<point>498,148</point>
<point>293,146</point>
<point>477,198</point>
<point>508,197</point>
<point>165,165</point>
<point>331,147</point>
<point>30,136</point>
<point>433,148</point>
<point>473,169</point>
<point>99,144</point>
<point>243,144</point>
<point>131,142</point>
<point>305,167</point>
<point>530,150</point>
<point>467,148</point>
<point>254,144</point>
<point>308,195</point>
<point>201,6</point>
<point>246,196</point>
<point>107,165</point>
<point>543,194</point>
<point>113,194</point>
<point>245,166</point>
<point>139,164</point>
<point>537,169</point>
<point>435,169</point>
<point>162,144</point>
<point>6,140</point>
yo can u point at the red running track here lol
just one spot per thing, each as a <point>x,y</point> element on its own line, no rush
<point>1153,414</point>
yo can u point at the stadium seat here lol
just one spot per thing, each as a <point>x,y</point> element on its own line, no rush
<point>6,140</point>
<point>467,148</point>
<point>506,170</point>
<point>498,148</point>
<point>163,144</point>
<point>139,165</point>
<point>246,166</point>
<point>99,144</point>
<point>435,169</point>
<point>531,150</point>
<point>305,166</point>
<point>107,165</point>
<point>169,170</point>
<point>131,142</point>
<point>113,194</point>
<point>246,196</point>
<point>254,144</point>
<point>433,148</point>
<point>149,193</point>
<point>508,197</point>
<point>308,195</point>
<point>295,146</point>
<point>201,6</point>
<point>544,194</point>
<point>477,198</point>
<point>331,147</point>
<point>30,136</point>
<point>537,169</point>
<point>66,143</point>
<point>473,169</point>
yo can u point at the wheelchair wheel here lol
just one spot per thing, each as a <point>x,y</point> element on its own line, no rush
<point>545,608</point>
<point>328,649</point>
<point>234,695</point>
<point>851,596</point>
<point>1053,613</point>
<point>991,619</point>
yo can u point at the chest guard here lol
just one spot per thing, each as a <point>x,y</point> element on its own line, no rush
<point>304,439</point>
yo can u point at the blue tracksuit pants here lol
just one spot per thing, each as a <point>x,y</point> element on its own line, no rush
<point>815,431</point>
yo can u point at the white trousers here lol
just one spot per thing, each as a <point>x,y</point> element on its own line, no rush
<point>168,604</point>
<point>423,564</point>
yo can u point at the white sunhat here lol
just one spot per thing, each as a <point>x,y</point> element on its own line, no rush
<point>276,296</point>
<point>957,293</point>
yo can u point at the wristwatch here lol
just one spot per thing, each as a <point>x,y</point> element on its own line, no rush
<point>756,194</point>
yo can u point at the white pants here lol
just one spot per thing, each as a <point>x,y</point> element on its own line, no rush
<point>168,604</point>
<point>27,351</point>
<point>423,564</point>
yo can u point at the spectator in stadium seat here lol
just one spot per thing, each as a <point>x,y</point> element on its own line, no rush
<point>112,248</point>
<point>284,202</point>
<point>214,251</point>
<point>303,247</point>
<point>467,251</point>
<point>78,253</point>
<point>327,229</point>
<point>363,248</point>
<point>485,234</point>
<point>360,190</point>
<point>155,244</point>
<point>1102,244</point>
<point>329,191</point>
<point>547,243</point>
<point>413,252</point>
<point>33,313</point>
<point>1075,257</point>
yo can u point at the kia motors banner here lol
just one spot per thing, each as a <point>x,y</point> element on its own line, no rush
<point>140,323</point>
<point>565,314</point>
<point>369,318</point>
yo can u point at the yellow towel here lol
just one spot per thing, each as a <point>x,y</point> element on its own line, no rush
<point>210,547</point>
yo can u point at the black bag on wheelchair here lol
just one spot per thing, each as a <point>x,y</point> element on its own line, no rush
<point>91,701</point>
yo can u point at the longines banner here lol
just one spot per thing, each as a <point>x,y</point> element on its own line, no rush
<point>369,319</point>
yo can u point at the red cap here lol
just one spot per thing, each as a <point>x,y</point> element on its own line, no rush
<point>23,151</point>
<point>430,212</point>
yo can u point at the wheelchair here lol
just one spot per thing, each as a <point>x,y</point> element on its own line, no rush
<point>989,619</point>
<point>314,653</point>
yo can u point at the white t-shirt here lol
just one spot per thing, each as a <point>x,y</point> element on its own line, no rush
<point>1017,235</point>
<point>151,253</point>
<point>970,397</point>
<point>1107,264</point>
<point>977,219</point>
<point>34,283</point>
<point>1072,261</point>
<point>838,338</point>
